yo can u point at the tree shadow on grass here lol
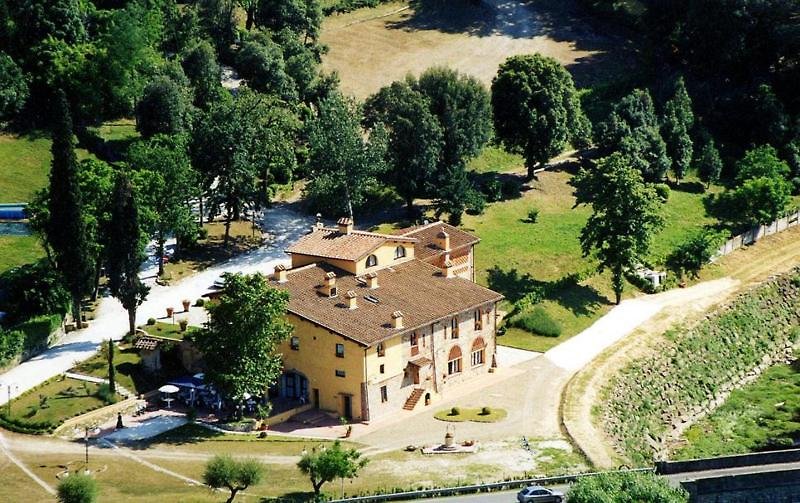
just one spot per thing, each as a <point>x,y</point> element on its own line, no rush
<point>182,435</point>
<point>581,300</point>
<point>560,20</point>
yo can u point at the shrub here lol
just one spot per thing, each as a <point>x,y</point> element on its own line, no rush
<point>695,252</point>
<point>37,330</point>
<point>512,189</point>
<point>455,411</point>
<point>200,302</point>
<point>151,321</point>
<point>202,233</point>
<point>625,486</point>
<point>538,321</point>
<point>533,215</point>
<point>105,394</point>
<point>662,190</point>
<point>485,411</point>
<point>77,488</point>
<point>11,344</point>
<point>493,190</point>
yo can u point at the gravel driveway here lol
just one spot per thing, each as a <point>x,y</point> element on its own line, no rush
<point>283,224</point>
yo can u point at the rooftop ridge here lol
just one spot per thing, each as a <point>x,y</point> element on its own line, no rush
<point>390,237</point>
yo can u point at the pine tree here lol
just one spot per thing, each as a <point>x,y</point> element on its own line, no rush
<point>125,251</point>
<point>66,228</point>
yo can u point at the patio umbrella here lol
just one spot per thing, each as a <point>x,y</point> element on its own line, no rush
<point>168,388</point>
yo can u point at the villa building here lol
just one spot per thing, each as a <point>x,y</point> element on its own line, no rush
<point>383,321</point>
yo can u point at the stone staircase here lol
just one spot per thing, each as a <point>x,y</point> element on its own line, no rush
<point>413,399</point>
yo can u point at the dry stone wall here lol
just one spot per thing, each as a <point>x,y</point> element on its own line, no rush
<point>656,398</point>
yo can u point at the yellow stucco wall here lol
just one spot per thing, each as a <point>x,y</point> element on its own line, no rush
<point>385,255</point>
<point>317,361</point>
<point>393,361</point>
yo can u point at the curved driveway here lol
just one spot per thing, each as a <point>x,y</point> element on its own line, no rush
<point>284,226</point>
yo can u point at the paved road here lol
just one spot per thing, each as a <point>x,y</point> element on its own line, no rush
<point>283,225</point>
<point>675,480</point>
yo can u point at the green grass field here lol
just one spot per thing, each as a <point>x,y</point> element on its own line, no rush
<point>764,414</point>
<point>515,255</point>
<point>129,372</point>
<point>24,164</point>
<point>18,250</point>
<point>65,398</point>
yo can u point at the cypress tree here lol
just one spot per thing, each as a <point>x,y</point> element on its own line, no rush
<point>125,250</point>
<point>112,372</point>
<point>66,228</point>
<point>677,125</point>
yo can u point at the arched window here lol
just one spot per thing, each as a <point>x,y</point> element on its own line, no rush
<point>454,361</point>
<point>372,261</point>
<point>478,356</point>
<point>399,252</point>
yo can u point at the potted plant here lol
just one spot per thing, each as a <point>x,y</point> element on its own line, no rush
<point>186,303</point>
<point>170,311</point>
<point>183,324</point>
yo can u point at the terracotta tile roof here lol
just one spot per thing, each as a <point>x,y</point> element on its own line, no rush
<point>330,243</point>
<point>414,287</point>
<point>426,247</point>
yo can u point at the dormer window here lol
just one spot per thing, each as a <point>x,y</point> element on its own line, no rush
<point>372,261</point>
<point>399,252</point>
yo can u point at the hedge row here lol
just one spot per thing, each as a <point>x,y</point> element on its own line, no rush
<point>694,369</point>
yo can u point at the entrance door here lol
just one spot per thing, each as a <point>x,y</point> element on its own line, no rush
<point>348,406</point>
<point>316,398</point>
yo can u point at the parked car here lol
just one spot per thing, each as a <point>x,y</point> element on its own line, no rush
<point>539,494</point>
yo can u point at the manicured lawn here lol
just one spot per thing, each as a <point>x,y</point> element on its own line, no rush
<point>127,363</point>
<point>19,250</point>
<point>195,438</point>
<point>514,255</point>
<point>25,165</point>
<point>65,398</point>
<point>475,415</point>
<point>169,330</point>
<point>764,414</point>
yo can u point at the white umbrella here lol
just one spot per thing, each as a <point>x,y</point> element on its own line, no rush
<point>169,388</point>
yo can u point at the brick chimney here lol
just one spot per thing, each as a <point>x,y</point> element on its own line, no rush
<point>449,269</point>
<point>351,299</point>
<point>397,319</point>
<point>281,275</point>
<point>443,241</point>
<point>372,280</point>
<point>329,284</point>
<point>345,225</point>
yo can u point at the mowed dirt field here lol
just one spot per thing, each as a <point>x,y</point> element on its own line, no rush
<point>370,48</point>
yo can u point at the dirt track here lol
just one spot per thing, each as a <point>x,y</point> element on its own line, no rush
<point>773,255</point>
